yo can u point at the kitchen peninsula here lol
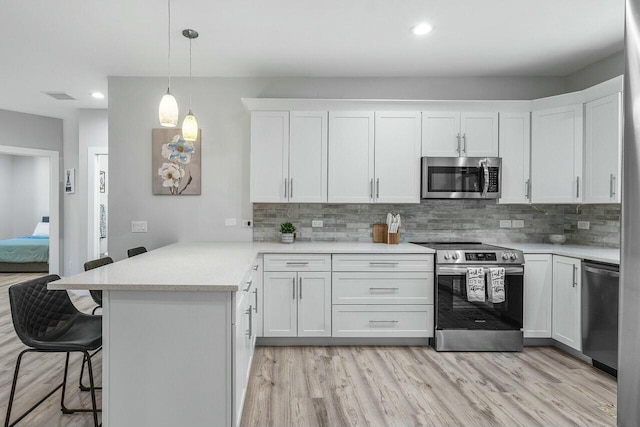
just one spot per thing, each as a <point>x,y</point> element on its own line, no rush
<point>179,322</point>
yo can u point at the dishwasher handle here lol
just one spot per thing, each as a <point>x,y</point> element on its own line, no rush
<point>601,271</point>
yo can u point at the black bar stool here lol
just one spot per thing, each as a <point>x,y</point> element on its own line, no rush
<point>136,251</point>
<point>90,265</point>
<point>48,322</point>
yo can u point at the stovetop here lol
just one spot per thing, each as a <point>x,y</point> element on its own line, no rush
<point>475,253</point>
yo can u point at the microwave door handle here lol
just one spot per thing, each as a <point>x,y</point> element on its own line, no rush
<point>485,178</point>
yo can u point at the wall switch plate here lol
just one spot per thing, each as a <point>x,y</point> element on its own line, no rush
<point>317,223</point>
<point>517,223</point>
<point>138,226</point>
<point>584,225</point>
<point>247,223</point>
<point>230,222</point>
<point>505,223</point>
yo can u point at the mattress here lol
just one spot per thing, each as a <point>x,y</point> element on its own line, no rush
<point>25,249</point>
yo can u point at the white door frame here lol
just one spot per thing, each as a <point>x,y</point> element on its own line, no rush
<point>54,198</point>
<point>93,245</point>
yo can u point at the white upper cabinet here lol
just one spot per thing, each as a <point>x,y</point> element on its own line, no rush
<point>308,157</point>
<point>479,134</point>
<point>603,149</point>
<point>556,155</point>
<point>515,146</point>
<point>455,134</point>
<point>441,134</point>
<point>269,156</point>
<point>397,157</point>
<point>351,157</point>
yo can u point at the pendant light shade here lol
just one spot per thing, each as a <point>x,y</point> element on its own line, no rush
<point>168,110</point>
<point>190,127</point>
<point>190,124</point>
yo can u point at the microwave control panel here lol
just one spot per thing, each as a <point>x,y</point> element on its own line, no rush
<point>493,180</point>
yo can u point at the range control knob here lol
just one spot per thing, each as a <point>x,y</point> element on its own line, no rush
<point>455,255</point>
<point>514,256</point>
<point>505,256</point>
<point>447,256</point>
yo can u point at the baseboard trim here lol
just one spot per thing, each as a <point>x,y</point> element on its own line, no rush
<point>331,341</point>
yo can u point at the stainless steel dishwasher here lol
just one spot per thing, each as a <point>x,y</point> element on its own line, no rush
<point>600,286</point>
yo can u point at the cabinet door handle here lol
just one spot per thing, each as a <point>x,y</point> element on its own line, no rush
<point>249,283</point>
<point>383,321</point>
<point>300,287</point>
<point>291,188</point>
<point>286,188</point>
<point>255,267</point>
<point>527,189</point>
<point>577,187</point>
<point>464,143</point>
<point>612,185</point>
<point>378,188</point>
<point>383,289</point>
<point>293,288</point>
<point>249,312</point>
<point>458,149</point>
<point>371,189</point>
<point>255,291</point>
<point>575,283</point>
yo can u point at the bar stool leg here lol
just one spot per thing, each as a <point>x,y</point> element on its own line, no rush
<point>13,388</point>
<point>93,390</point>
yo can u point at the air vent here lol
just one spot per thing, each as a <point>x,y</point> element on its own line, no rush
<point>60,96</point>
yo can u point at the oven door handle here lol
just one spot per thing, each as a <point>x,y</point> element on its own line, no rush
<point>445,270</point>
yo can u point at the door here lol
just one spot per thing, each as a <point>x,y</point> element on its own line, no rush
<point>538,288</point>
<point>314,304</point>
<point>479,134</point>
<point>566,301</point>
<point>397,157</point>
<point>280,304</point>
<point>556,155</point>
<point>441,134</point>
<point>269,156</point>
<point>308,157</point>
<point>351,157</point>
<point>515,146</point>
<point>603,150</point>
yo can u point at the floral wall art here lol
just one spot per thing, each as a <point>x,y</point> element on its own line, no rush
<point>176,163</point>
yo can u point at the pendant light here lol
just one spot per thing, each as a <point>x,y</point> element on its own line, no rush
<point>168,109</point>
<point>190,124</point>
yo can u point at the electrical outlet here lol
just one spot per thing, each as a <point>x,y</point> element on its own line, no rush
<point>247,223</point>
<point>505,223</point>
<point>317,223</point>
<point>230,222</point>
<point>138,226</point>
<point>584,225</point>
<point>517,223</point>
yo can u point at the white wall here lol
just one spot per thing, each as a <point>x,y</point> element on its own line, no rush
<point>598,72</point>
<point>133,106</point>
<point>24,193</point>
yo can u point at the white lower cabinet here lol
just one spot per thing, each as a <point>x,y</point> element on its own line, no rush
<point>538,289</point>
<point>567,284</point>
<point>382,288</point>
<point>297,303</point>
<point>403,321</point>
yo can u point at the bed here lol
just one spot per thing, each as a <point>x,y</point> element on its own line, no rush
<point>28,254</point>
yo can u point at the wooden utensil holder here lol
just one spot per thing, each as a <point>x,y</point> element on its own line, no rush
<point>393,238</point>
<point>380,233</point>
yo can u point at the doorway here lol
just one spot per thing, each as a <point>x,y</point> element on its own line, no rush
<point>98,202</point>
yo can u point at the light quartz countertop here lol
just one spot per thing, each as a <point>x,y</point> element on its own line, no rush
<point>206,266</point>
<point>593,253</point>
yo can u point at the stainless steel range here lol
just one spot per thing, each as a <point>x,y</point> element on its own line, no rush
<point>464,325</point>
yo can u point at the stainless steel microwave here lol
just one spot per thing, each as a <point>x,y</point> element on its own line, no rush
<point>461,177</point>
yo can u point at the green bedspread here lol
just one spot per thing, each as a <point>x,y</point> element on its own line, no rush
<point>25,249</point>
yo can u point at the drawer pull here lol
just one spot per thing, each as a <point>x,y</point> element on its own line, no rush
<point>297,262</point>
<point>249,283</point>
<point>383,289</point>
<point>383,321</point>
<point>383,263</point>
<point>255,267</point>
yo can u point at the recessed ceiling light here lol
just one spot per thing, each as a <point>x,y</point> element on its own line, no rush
<point>421,29</point>
<point>97,95</point>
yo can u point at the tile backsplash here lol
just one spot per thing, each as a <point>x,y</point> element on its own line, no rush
<point>473,220</point>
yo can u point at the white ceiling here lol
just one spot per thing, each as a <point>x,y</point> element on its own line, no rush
<point>73,45</point>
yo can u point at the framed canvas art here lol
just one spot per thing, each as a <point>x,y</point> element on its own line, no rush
<point>70,181</point>
<point>176,163</point>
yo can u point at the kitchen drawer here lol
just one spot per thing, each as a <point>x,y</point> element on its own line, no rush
<point>402,321</point>
<point>282,262</point>
<point>375,262</point>
<point>382,288</point>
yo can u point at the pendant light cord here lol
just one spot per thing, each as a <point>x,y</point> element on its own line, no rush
<point>169,44</point>
<point>190,76</point>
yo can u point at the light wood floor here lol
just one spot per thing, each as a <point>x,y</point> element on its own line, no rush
<point>417,386</point>
<point>40,373</point>
<point>357,386</point>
